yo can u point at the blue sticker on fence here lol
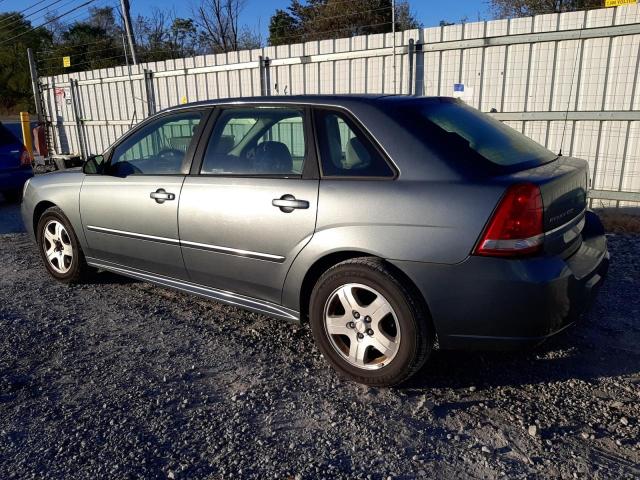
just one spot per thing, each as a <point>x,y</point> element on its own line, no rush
<point>458,87</point>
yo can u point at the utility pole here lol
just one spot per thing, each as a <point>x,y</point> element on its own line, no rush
<point>126,15</point>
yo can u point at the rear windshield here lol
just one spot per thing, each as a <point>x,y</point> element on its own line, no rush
<point>6,137</point>
<point>448,124</point>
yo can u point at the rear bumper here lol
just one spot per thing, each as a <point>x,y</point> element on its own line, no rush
<point>489,303</point>
<point>14,180</point>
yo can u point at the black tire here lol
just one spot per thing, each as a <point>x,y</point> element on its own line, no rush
<point>412,317</point>
<point>78,270</point>
<point>12,196</point>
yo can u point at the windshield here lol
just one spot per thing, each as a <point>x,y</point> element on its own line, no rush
<point>449,123</point>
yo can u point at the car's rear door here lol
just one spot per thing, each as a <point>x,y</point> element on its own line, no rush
<point>250,207</point>
<point>130,211</point>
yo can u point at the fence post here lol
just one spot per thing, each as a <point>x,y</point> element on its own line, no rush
<point>411,49</point>
<point>150,92</point>
<point>265,79</point>
<point>261,67</point>
<point>37,98</point>
<point>77,117</point>
<point>267,76</point>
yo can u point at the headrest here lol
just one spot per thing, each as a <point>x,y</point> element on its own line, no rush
<point>356,155</point>
<point>273,157</point>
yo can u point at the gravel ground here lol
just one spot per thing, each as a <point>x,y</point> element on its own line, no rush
<point>121,379</point>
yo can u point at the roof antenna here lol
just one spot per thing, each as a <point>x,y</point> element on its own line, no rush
<point>573,74</point>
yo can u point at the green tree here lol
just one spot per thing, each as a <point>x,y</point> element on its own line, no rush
<point>92,43</point>
<point>283,26</point>
<point>525,8</point>
<point>184,36</point>
<point>16,35</point>
<point>323,19</point>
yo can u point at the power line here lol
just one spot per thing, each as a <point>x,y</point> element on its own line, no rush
<point>303,34</point>
<point>81,16</point>
<point>17,14</point>
<point>49,71</point>
<point>46,7</point>
<point>44,16</point>
<point>78,45</point>
<point>47,22</point>
<point>112,47</point>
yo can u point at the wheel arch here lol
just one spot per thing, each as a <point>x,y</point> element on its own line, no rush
<point>325,262</point>
<point>38,211</point>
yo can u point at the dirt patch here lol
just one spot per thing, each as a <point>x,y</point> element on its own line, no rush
<point>620,220</point>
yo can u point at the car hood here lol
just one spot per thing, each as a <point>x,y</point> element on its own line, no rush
<point>60,177</point>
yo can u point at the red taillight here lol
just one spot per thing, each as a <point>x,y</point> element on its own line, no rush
<point>25,159</point>
<point>516,226</point>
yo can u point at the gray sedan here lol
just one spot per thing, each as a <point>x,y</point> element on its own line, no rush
<point>392,224</point>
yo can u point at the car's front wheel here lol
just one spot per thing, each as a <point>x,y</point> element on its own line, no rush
<point>369,325</point>
<point>59,247</point>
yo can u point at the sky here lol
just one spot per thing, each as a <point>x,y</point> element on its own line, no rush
<point>257,13</point>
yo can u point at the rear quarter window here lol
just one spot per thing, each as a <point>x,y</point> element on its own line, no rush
<point>451,128</point>
<point>345,151</point>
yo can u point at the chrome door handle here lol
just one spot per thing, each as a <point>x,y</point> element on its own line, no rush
<point>161,195</point>
<point>288,203</point>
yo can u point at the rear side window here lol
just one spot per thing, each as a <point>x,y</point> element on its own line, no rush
<point>6,137</point>
<point>345,151</point>
<point>257,141</point>
<point>451,126</point>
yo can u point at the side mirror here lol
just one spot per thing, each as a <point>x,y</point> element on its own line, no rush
<point>93,165</point>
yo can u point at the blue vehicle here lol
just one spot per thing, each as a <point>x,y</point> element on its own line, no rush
<point>15,165</point>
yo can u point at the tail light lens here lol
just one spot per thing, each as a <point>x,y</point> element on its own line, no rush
<point>25,158</point>
<point>516,227</point>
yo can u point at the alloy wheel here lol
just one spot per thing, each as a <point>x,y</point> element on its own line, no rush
<point>57,247</point>
<point>362,326</point>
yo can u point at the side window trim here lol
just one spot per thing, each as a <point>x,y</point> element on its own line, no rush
<point>361,130</point>
<point>189,154</point>
<point>311,166</point>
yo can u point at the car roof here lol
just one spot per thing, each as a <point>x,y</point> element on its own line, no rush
<point>318,100</point>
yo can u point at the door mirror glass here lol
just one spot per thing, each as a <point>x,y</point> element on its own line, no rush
<point>93,165</point>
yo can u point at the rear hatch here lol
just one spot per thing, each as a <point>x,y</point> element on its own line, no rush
<point>10,150</point>
<point>478,145</point>
<point>563,186</point>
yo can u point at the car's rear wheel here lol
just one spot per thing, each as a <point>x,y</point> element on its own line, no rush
<point>59,247</point>
<point>370,326</point>
<point>12,196</point>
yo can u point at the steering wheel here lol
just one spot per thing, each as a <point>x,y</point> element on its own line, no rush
<point>169,158</point>
<point>170,155</point>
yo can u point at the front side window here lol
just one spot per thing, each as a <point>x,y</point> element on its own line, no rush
<point>158,148</point>
<point>256,141</point>
<point>345,150</point>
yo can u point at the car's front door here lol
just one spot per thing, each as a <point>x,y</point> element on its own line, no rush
<point>130,211</point>
<point>251,207</point>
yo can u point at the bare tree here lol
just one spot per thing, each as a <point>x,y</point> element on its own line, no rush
<point>524,8</point>
<point>219,24</point>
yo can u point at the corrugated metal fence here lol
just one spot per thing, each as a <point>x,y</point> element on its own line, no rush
<point>566,80</point>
